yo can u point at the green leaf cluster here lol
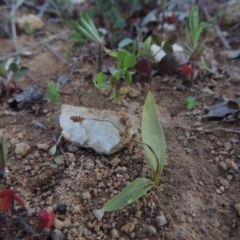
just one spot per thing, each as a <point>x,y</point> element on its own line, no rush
<point>100,81</point>
<point>195,28</point>
<point>125,61</point>
<point>53,95</point>
<point>168,44</point>
<point>85,30</point>
<point>191,103</point>
<point>13,67</point>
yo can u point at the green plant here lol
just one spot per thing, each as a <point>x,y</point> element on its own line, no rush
<point>125,61</point>
<point>53,95</point>
<point>153,142</point>
<point>195,48</point>
<point>85,30</point>
<point>191,103</point>
<point>100,81</point>
<point>6,68</point>
<point>194,28</point>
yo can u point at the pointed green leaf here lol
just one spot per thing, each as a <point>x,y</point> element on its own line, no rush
<point>124,42</point>
<point>129,61</point>
<point>3,72</point>
<point>152,134</point>
<point>3,151</point>
<point>77,37</point>
<point>129,194</point>
<point>157,39</point>
<point>171,40</point>
<point>73,25</point>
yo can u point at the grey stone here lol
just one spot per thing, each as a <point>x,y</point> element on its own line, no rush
<point>161,220</point>
<point>86,195</point>
<point>57,235</point>
<point>115,233</point>
<point>151,230</point>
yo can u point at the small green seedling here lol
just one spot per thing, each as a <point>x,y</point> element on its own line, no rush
<point>153,142</point>
<point>100,81</point>
<point>125,62</point>
<point>53,95</point>
<point>9,67</point>
<point>195,28</point>
<point>191,103</point>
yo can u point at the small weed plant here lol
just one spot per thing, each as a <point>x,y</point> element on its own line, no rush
<point>153,142</point>
<point>191,103</point>
<point>194,47</point>
<point>53,95</point>
<point>10,72</point>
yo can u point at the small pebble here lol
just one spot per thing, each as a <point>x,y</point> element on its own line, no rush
<point>115,233</point>
<point>61,208</point>
<point>58,224</point>
<point>237,207</point>
<point>57,235</point>
<point>86,196</point>
<point>161,220</point>
<point>22,149</point>
<point>151,230</point>
<point>129,227</point>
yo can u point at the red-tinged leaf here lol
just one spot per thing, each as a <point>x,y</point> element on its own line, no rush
<point>143,66</point>
<point>6,203</point>
<point>232,105</point>
<point>19,200</point>
<point>9,196</point>
<point>7,192</point>
<point>171,19</point>
<point>187,70</point>
<point>46,219</point>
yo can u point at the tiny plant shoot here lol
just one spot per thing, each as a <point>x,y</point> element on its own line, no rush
<point>53,92</point>
<point>191,103</point>
<point>154,148</point>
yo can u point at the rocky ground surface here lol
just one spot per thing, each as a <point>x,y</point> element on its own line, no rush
<point>198,197</point>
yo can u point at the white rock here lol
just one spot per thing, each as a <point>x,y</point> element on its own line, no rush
<point>159,53</point>
<point>102,136</point>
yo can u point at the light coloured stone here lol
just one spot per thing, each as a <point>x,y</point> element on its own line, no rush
<point>22,149</point>
<point>96,129</point>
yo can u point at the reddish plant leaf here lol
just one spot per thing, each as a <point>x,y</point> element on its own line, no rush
<point>46,219</point>
<point>143,66</point>
<point>8,196</point>
<point>171,19</point>
<point>232,105</point>
<point>187,70</point>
